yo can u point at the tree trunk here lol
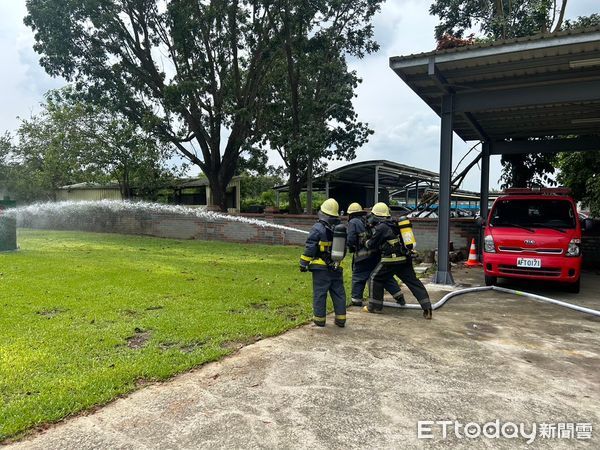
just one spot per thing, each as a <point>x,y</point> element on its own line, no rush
<point>294,190</point>
<point>561,17</point>
<point>222,169</point>
<point>125,186</point>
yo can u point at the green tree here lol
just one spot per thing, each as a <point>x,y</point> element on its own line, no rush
<point>108,146</point>
<point>527,170</point>
<point>45,158</point>
<point>7,166</point>
<point>498,19</point>
<point>186,69</point>
<point>70,141</point>
<point>502,19</point>
<point>310,117</point>
<point>580,171</point>
<point>593,20</point>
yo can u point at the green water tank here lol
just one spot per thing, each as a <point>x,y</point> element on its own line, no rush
<point>8,226</point>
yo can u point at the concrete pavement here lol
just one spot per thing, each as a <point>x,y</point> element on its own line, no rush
<point>484,357</point>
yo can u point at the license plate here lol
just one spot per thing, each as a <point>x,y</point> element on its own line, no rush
<point>535,263</point>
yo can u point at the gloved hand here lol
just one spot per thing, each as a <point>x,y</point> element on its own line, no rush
<point>303,265</point>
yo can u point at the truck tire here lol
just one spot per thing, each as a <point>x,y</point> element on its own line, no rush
<point>574,287</point>
<point>490,281</point>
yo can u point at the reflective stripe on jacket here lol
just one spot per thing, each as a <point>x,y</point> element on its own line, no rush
<point>386,238</point>
<point>317,250</point>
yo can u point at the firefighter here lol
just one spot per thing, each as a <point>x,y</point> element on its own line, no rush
<point>364,261</point>
<point>395,259</point>
<point>327,275</point>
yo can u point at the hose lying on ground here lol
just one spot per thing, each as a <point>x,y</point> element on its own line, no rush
<point>541,298</point>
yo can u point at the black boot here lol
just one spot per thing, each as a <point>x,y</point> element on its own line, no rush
<point>374,307</point>
<point>399,297</point>
<point>357,302</point>
<point>340,323</point>
<point>320,322</point>
<point>428,313</point>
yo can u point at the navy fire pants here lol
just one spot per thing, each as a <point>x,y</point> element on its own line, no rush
<point>405,271</point>
<point>361,271</point>
<point>332,281</point>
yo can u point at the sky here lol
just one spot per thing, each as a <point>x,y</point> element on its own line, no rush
<point>406,130</point>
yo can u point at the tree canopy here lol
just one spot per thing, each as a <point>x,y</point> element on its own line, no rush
<point>580,171</point>
<point>71,141</point>
<point>185,69</point>
<point>498,19</point>
<point>199,74</point>
<point>502,19</point>
<point>310,117</point>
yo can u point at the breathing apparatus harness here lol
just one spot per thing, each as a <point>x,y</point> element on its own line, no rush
<point>361,252</point>
<point>401,246</point>
<point>332,253</point>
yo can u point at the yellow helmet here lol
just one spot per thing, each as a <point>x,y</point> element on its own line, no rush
<point>355,208</point>
<point>330,207</point>
<point>381,210</point>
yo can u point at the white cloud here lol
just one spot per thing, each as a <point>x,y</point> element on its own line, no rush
<point>23,81</point>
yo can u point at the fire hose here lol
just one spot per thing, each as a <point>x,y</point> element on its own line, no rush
<point>541,298</point>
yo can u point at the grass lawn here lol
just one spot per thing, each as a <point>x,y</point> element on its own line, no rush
<point>88,317</point>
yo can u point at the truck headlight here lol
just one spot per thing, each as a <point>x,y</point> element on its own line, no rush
<point>574,247</point>
<point>488,244</point>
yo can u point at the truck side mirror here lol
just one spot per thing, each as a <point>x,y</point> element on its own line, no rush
<point>480,221</point>
<point>588,224</point>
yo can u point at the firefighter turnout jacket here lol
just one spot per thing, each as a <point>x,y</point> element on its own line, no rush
<point>386,238</point>
<point>317,250</point>
<point>358,234</point>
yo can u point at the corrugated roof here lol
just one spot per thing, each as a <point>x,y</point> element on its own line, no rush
<point>90,185</point>
<point>200,182</point>
<point>548,37</point>
<point>558,75</point>
<point>391,174</point>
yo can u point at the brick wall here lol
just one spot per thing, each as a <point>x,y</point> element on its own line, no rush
<point>191,227</point>
<point>165,225</point>
<point>180,226</point>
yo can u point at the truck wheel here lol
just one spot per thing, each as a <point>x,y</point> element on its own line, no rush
<point>490,281</point>
<point>574,287</point>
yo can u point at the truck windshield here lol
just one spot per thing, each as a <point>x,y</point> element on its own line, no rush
<point>533,213</point>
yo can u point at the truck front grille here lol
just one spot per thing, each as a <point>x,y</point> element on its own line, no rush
<point>542,272</point>
<point>532,251</point>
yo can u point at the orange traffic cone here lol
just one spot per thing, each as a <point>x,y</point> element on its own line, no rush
<point>472,261</point>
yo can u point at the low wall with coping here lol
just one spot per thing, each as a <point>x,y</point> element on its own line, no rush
<point>179,226</point>
<point>246,228</point>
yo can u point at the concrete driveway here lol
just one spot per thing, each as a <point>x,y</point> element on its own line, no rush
<point>484,357</point>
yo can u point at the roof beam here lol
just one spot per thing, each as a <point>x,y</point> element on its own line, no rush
<point>582,143</point>
<point>442,83</point>
<point>532,96</point>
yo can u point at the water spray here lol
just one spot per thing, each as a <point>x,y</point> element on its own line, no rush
<point>72,208</point>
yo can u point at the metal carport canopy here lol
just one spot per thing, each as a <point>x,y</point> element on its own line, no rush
<point>509,94</point>
<point>372,173</point>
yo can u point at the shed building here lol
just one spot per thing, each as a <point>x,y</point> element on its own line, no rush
<point>528,95</point>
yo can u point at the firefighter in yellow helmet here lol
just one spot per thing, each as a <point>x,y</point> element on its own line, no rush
<point>327,276</point>
<point>364,261</point>
<point>396,260</point>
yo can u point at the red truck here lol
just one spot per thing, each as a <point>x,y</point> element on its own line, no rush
<point>533,234</point>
